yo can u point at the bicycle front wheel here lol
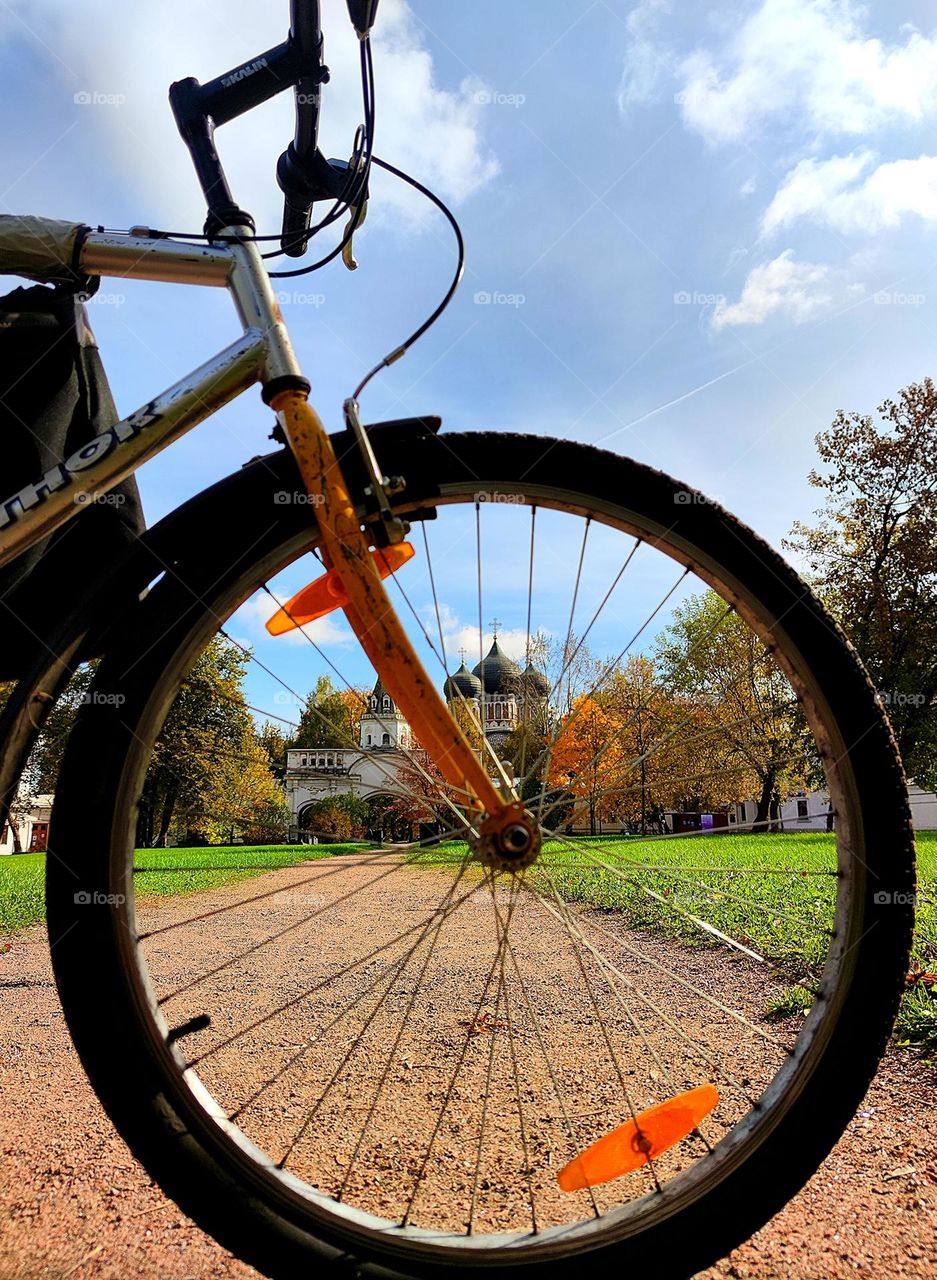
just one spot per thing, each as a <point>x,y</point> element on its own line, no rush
<point>388,1054</point>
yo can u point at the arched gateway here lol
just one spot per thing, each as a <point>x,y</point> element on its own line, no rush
<point>380,765</point>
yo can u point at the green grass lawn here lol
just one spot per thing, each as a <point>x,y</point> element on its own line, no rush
<point>736,884</point>
<point>161,872</point>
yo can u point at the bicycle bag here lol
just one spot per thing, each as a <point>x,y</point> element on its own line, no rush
<point>54,397</point>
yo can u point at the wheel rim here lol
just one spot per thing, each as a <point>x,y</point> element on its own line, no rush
<point>623,1209</point>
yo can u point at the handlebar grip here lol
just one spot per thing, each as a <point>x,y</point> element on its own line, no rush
<point>295,225</point>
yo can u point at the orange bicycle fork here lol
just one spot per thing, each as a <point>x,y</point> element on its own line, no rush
<point>508,838</point>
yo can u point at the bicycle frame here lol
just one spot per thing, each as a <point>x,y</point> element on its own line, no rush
<point>262,354</point>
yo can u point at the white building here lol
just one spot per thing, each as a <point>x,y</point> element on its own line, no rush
<point>495,693</point>
<point>31,821</point>
<point>804,812</point>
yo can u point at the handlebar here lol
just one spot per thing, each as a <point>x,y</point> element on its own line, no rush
<point>303,173</point>
<point>293,165</point>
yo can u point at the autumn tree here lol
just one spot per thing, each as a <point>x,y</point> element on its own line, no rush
<point>339,817</point>
<point>239,798</point>
<point>655,770</point>
<point>742,719</point>
<point>208,777</point>
<point>585,759</point>
<point>275,743</point>
<point>423,797</point>
<point>873,552</point>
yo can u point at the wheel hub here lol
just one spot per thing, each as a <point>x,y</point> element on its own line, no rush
<point>509,840</point>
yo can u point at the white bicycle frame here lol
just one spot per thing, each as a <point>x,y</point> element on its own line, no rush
<point>261,354</point>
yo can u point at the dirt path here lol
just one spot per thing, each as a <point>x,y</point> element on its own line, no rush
<point>76,1205</point>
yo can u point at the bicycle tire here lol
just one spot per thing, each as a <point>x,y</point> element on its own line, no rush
<point>106,1001</point>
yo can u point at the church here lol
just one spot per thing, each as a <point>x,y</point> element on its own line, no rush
<point>498,692</point>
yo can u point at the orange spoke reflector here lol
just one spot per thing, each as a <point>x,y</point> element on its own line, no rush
<point>327,593</point>
<point>632,1144</point>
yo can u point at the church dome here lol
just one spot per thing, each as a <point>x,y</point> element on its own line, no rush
<point>535,682</point>
<point>497,672</point>
<point>462,685</point>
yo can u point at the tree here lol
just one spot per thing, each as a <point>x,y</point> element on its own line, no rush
<point>742,722</point>
<point>342,817</point>
<point>656,770</point>
<point>331,717</point>
<point>421,799</point>
<point>275,742</point>
<point>41,770</point>
<point>874,554</point>
<point>240,799</point>
<point>585,759</point>
<point>209,777</point>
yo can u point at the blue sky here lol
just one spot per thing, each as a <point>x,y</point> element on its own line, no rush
<point>703,228</point>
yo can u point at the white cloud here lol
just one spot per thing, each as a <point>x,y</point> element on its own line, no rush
<point>784,286</point>
<point>748,187</point>
<point>325,632</point>
<point>812,58</point>
<point>645,61</point>
<point>853,194</point>
<point>463,635</point>
<point>431,131</point>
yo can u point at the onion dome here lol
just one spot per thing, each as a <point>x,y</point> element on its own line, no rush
<point>497,672</point>
<point>535,682</point>
<point>462,685</point>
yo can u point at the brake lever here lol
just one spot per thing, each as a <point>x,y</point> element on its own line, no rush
<point>358,215</point>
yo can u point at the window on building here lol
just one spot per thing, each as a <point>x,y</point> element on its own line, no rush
<point>801,808</point>
<point>369,739</point>
<point>303,760</point>
<point>387,704</point>
<point>385,741</point>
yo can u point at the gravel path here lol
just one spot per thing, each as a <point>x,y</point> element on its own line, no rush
<point>75,1204</point>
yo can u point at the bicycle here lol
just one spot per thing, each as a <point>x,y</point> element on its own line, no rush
<point>681,1118</point>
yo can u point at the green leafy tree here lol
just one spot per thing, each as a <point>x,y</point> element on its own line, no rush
<point>331,717</point>
<point>873,552</point>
